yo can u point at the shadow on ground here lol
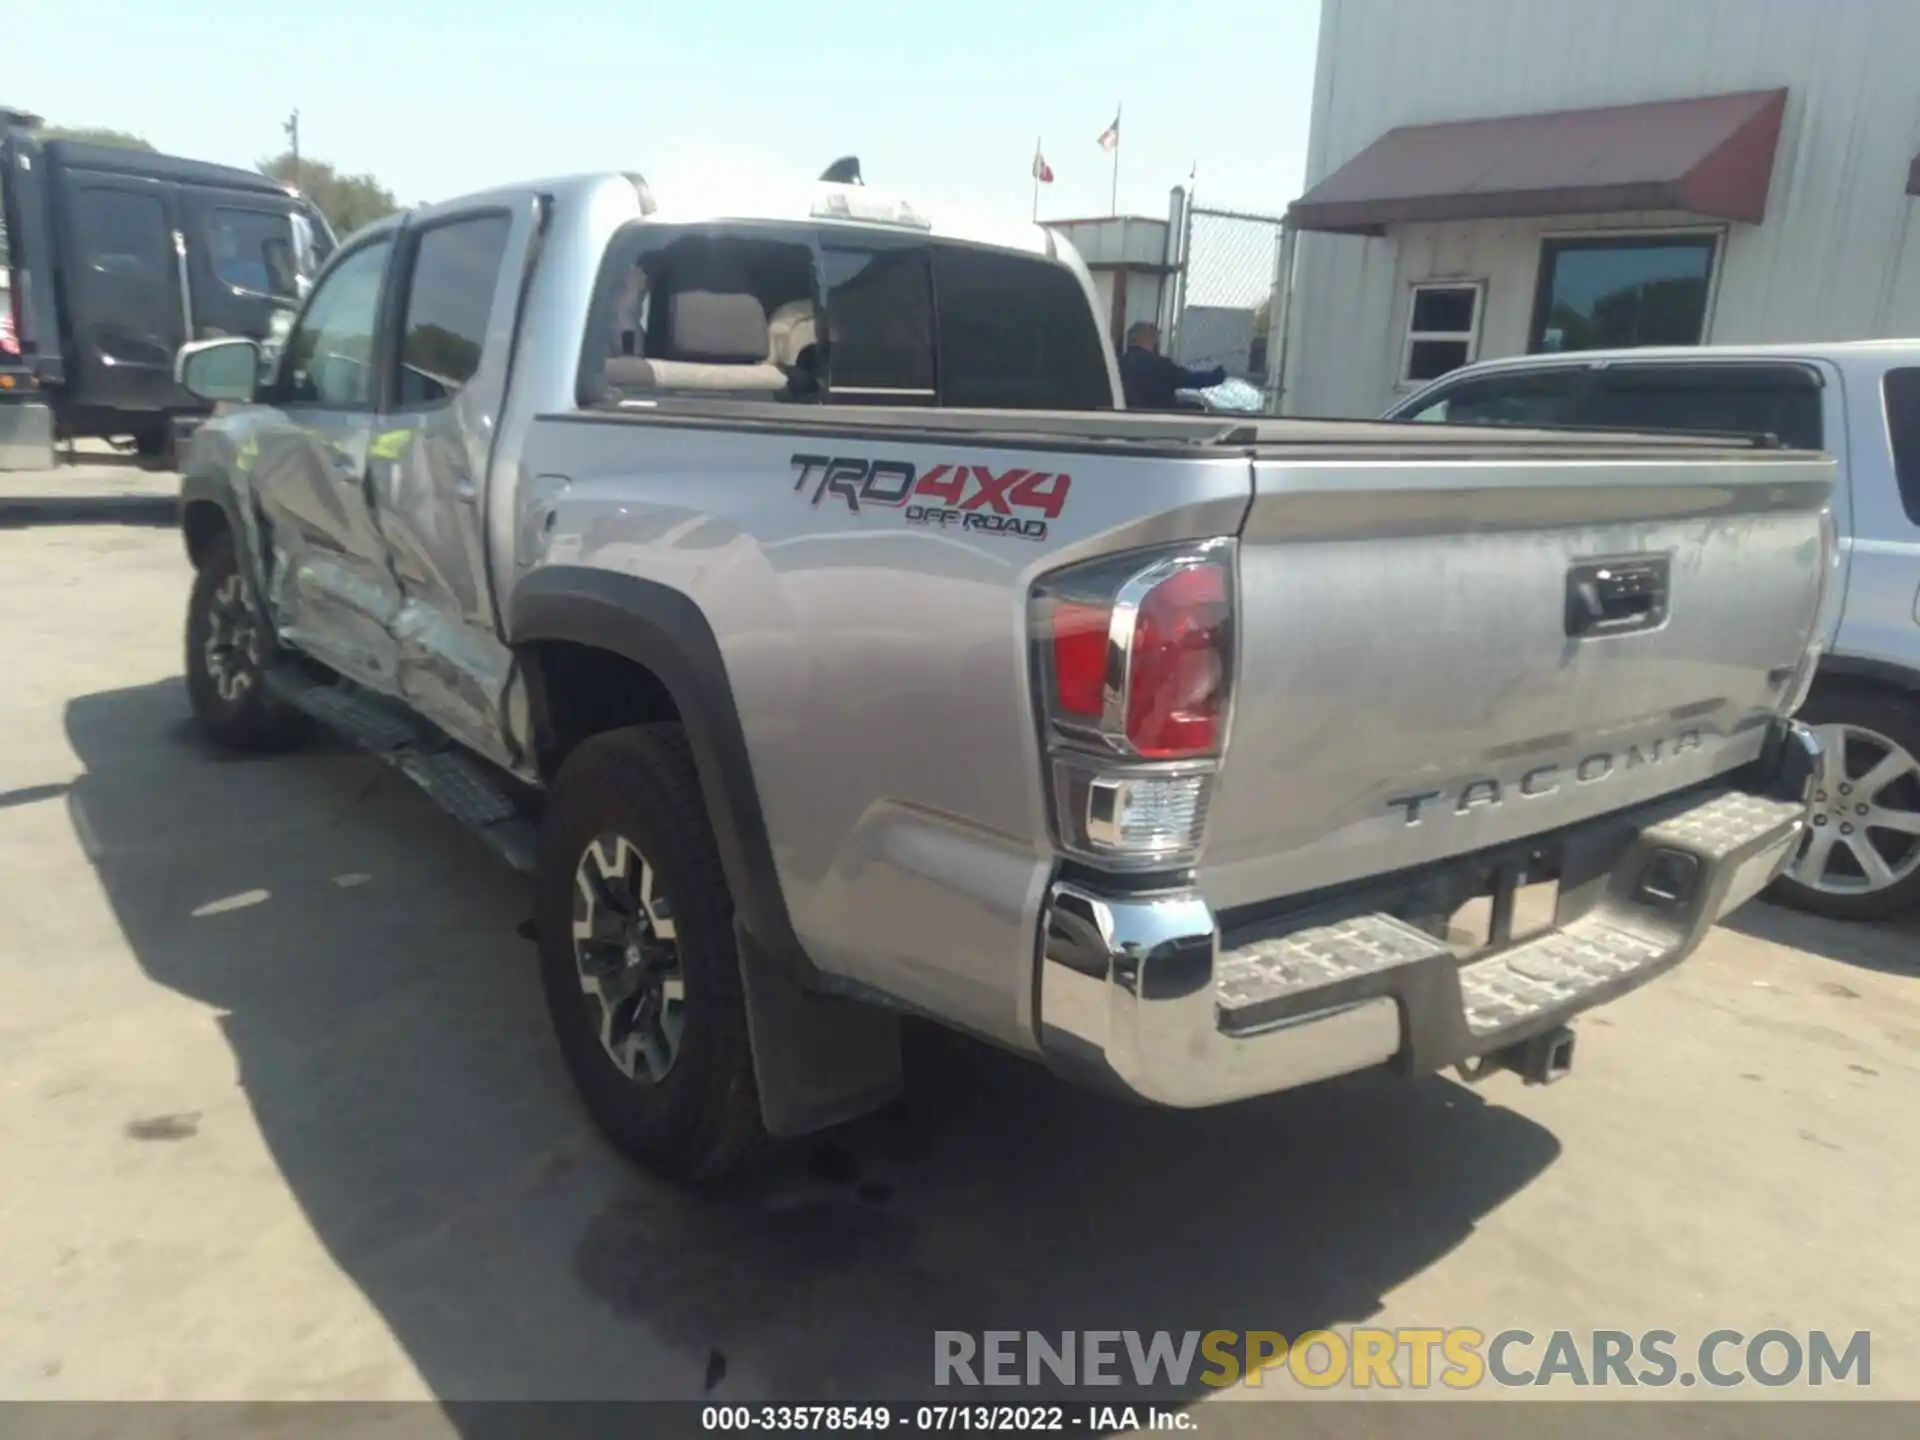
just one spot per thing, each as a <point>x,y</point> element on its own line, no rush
<point>19,512</point>
<point>390,1041</point>
<point>1889,946</point>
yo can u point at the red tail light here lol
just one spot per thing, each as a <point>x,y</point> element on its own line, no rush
<point>1134,664</point>
<point>1171,619</point>
<point>1177,675</point>
<point>1080,658</point>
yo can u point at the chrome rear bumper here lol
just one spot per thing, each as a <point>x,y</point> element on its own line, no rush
<point>1144,994</point>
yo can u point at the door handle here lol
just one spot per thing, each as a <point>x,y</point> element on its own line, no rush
<point>1617,597</point>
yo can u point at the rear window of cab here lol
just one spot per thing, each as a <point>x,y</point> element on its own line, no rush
<point>794,314</point>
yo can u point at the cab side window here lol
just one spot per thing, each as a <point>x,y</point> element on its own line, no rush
<point>1547,398</point>
<point>1901,390</point>
<point>1745,399</point>
<point>456,269</point>
<point>123,235</point>
<point>328,360</point>
<point>253,250</point>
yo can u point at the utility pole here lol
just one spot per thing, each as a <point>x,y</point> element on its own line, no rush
<point>292,126</point>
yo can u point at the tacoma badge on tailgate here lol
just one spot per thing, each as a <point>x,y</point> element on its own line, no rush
<point>1545,779</point>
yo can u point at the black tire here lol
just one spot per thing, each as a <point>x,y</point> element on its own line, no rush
<point>232,704</point>
<point>155,449</point>
<point>702,1116</point>
<point>1896,718</point>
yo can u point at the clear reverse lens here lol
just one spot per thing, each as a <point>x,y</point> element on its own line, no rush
<point>1140,818</point>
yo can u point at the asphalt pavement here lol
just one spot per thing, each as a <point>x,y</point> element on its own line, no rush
<point>281,1118</point>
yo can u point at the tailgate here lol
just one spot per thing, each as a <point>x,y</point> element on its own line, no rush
<point>1441,651</point>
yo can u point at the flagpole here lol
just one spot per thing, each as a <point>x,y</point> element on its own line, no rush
<point>1113,207</point>
<point>1035,167</point>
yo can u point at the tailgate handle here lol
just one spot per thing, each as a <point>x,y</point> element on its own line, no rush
<point>1616,597</point>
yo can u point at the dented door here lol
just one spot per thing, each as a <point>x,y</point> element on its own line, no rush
<point>305,454</point>
<point>461,275</point>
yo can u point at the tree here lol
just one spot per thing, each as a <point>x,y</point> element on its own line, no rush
<point>348,201</point>
<point>91,135</point>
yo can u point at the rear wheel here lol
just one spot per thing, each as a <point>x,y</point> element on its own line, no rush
<point>638,959</point>
<point>227,646</point>
<point>1860,858</point>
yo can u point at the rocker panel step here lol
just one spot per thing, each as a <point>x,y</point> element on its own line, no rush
<point>454,781</point>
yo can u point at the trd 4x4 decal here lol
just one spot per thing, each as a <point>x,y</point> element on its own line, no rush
<point>957,495</point>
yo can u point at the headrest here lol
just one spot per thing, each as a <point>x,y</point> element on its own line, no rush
<point>628,374</point>
<point>791,330</point>
<point>717,327</point>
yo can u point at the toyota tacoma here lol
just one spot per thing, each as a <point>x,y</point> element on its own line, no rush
<point>784,587</point>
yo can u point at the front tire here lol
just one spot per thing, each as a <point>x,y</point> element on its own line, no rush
<point>227,648</point>
<point>638,958</point>
<point>1860,859</point>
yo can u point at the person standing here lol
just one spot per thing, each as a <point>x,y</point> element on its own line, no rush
<point>1150,379</point>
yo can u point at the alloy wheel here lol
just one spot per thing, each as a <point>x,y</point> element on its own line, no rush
<point>628,958</point>
<point>232,648</point>
<point>1864,832</point>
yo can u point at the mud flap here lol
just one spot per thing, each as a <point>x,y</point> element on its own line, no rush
<point>26,436</point>
<point>818,1059</point>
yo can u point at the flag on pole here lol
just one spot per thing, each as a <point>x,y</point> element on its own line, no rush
<point>1110,137</point>
<point>1042,171</point>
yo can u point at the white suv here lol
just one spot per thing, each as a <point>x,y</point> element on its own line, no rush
<point>1860,401</point>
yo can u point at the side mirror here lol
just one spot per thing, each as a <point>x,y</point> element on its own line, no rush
<point>223,369</point>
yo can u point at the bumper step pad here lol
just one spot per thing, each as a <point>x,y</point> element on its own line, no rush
<point>1453,1009</point>
<point>463,787</point>
<point>1551,973</point>
<point>1724,824</point>
<point>1250,979</point>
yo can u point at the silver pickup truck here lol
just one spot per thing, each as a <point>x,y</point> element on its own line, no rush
<point>784,593</point>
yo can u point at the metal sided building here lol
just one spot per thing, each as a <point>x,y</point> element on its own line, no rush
<point>1499,177</point>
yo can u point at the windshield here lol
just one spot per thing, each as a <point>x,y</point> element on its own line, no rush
<point>312,244</point>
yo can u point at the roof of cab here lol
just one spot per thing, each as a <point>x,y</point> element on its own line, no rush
<point>793,203</point>
<point>149,164</point>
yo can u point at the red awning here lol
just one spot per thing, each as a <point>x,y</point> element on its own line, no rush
<point>1708,156</point>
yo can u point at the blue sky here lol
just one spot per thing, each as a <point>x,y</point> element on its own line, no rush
<point>942,101</point>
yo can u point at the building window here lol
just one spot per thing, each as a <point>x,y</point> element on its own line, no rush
<point>1614,293</point>
<point>1443,331</point>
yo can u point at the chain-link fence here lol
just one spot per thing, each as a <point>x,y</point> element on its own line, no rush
<point>1225,302</point>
